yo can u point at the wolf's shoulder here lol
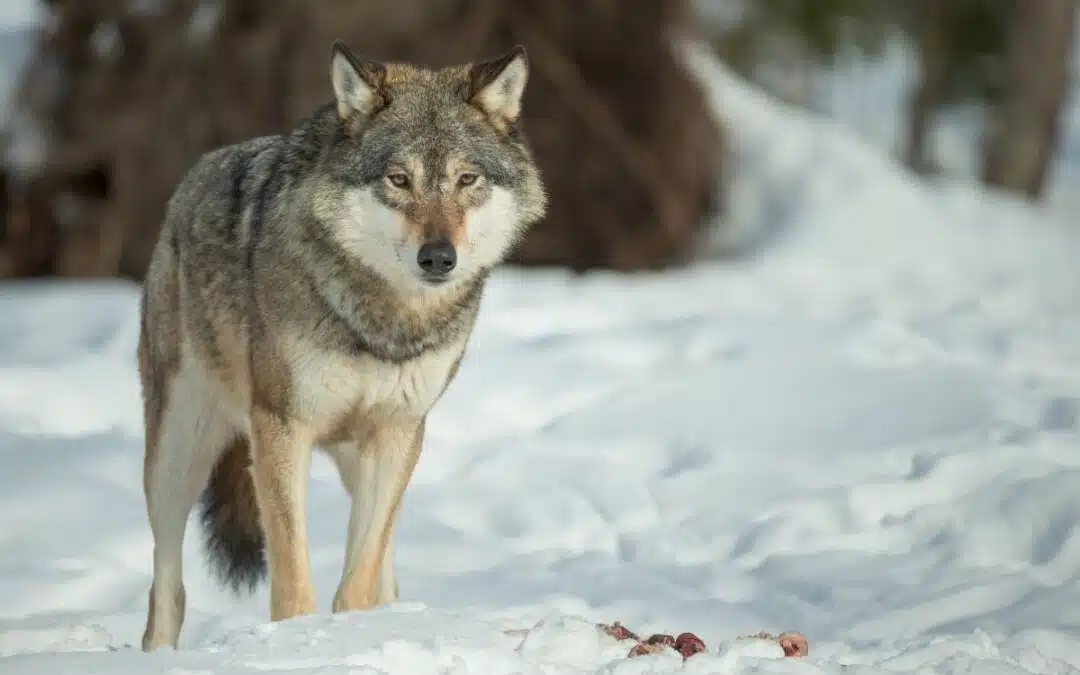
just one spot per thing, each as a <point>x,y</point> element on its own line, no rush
<point>237,160</point>
<point>227,177</point>
<point>224,197</point>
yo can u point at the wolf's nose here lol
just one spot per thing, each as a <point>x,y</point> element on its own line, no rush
<point>437,258</point>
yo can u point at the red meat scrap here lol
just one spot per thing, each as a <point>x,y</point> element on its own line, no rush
<point>687,644</point>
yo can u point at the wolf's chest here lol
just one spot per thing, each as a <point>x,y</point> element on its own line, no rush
<point>327,385</point>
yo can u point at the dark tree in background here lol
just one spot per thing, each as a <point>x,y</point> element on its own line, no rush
<point>959,49</point>
<point>1024,128</point>
<point>124,95</point>
<point>1014,55</point>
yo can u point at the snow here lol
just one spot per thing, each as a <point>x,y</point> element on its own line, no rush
<point>204,21</point>
<point>22,14</point>
<point>864,428</point>
<point>15,46</point>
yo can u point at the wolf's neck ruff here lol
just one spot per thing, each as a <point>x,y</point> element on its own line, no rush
<point>364,313</point>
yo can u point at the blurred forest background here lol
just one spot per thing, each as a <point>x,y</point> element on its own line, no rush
<point>111,100</point>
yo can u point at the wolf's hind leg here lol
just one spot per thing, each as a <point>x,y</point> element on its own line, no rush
<point>186,432</point>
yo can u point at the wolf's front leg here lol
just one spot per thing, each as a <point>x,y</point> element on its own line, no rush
<point>376,480</point>
<point>281,459</point>
<point>388,586</point>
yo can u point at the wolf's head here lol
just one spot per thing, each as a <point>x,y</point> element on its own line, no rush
<point>434,181</point>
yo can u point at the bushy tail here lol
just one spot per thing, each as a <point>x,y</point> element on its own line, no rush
<point>230,518</point>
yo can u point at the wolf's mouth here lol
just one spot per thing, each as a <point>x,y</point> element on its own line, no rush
<point>434,279</point>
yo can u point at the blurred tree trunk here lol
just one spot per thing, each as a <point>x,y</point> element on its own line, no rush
<point>122,97</point>
<point>1024,128</point>
<point>932,41</point>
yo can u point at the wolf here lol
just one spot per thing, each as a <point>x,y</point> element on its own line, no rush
<point>317,289</point>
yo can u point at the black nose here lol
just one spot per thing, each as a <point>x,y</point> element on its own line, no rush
<point>437,257</point>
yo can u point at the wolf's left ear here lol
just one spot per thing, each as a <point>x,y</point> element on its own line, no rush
<point>496,86</point>
<point>358,83</point>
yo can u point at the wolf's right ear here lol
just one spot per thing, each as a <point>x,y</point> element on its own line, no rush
<point>497,85</point>
<point>358,83</point>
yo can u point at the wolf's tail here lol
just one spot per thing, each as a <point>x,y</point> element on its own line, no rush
<point>230,519</point>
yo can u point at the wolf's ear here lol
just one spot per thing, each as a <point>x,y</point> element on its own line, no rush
<point>496,86</point>
<point>358,83</point>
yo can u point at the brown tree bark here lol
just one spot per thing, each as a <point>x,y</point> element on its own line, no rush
<point>1024,128</point>
<point>124,98</point>
<point>932,43</point>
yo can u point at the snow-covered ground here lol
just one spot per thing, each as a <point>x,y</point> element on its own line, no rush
<point>867,431</point>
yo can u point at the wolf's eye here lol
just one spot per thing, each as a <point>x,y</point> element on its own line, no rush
<point>398,180</point>
<point>467,179</point>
